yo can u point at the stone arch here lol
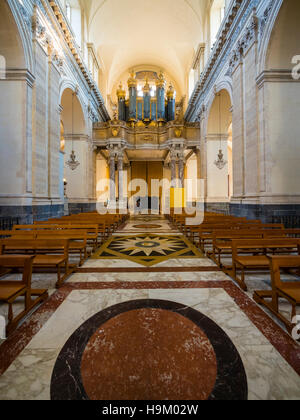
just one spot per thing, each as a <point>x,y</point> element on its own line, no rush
<point>226,86</point>
<point>284,39</point>
<point>11,45</point>
<point>15,37</point>
<point>80,183</point>
<point>79,119</point>
<point>215,125</point>
<point>283,18</point>
<point>69,85</point>
<point>217,132</point>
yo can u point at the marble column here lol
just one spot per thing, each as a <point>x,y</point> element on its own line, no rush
<point>181,166</point>
<point>121,177</point>
<point>173,168</point>
<point>112,176</point>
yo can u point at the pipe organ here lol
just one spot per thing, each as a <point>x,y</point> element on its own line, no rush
<point>146,105</point>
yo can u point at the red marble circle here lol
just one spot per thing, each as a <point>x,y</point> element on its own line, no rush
<point>149,354</point>
<point>147,226</point>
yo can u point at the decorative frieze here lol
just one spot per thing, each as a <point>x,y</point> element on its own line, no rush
<point>265,17</point>
<point>247,39</point>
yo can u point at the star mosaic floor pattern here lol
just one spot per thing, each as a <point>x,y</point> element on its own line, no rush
<point>148,249</point>
<point>120,330</point>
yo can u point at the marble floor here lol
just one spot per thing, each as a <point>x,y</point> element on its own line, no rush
<point>178,330</point>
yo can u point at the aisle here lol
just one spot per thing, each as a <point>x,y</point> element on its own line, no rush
<point>177,328</point>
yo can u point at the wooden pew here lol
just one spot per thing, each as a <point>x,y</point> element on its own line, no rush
<point>91,230</point>
<point>78,239</point>
<point>77,244</point>
<point>11,290</point>
<point>43,250</point>
<point>289,291</point>
<point>104,228</point>
<point>260,249</point>
<point>205,234</point>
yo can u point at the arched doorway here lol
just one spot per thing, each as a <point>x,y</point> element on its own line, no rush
<point>80,180</point>
<point>219,149</point>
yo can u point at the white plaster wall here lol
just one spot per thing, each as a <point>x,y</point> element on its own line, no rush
<point>217,180</point>
<point>77,188</point>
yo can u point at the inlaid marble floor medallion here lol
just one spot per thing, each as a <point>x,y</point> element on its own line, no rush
<point>147,226</point>
<point>149,350</point>
<point>147,249</point>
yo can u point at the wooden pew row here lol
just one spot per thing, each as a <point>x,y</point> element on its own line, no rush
<point>105,227</point>
<point>189,229</point>
<point>260,250</point>
<point>91,231</point>
<point>78,240</point>
<point>222,240</point>
<point>180,221</point>
<point>290,291</point>
<point>206,234</point>
<point>12,290</point>
<point>48,253</point>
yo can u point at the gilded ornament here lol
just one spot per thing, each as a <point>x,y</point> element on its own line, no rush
<point>178,132</point>
<point>115,132</point>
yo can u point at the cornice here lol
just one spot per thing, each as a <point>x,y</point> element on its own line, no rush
<point>275,76</point>
<point>20,75</point>
<point>53,12</point>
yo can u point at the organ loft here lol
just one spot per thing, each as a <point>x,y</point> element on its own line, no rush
<point>148,104</point>
<point>148,137</point>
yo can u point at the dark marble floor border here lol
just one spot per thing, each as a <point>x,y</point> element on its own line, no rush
<point>279,339</point>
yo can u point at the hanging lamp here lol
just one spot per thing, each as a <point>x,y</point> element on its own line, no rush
<point>220,162</point>
<point>72,162</point>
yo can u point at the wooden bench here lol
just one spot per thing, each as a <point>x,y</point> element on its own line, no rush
<point>192,231</point>
<point>104,228</point>
<point>260,249</point>
<point>43,251</point>
<point>78,239</point>
<point>289,291</point>
<point>222,242</point>
<point>205,234</point>
<point>91,230</point>
<point>12,290</point>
